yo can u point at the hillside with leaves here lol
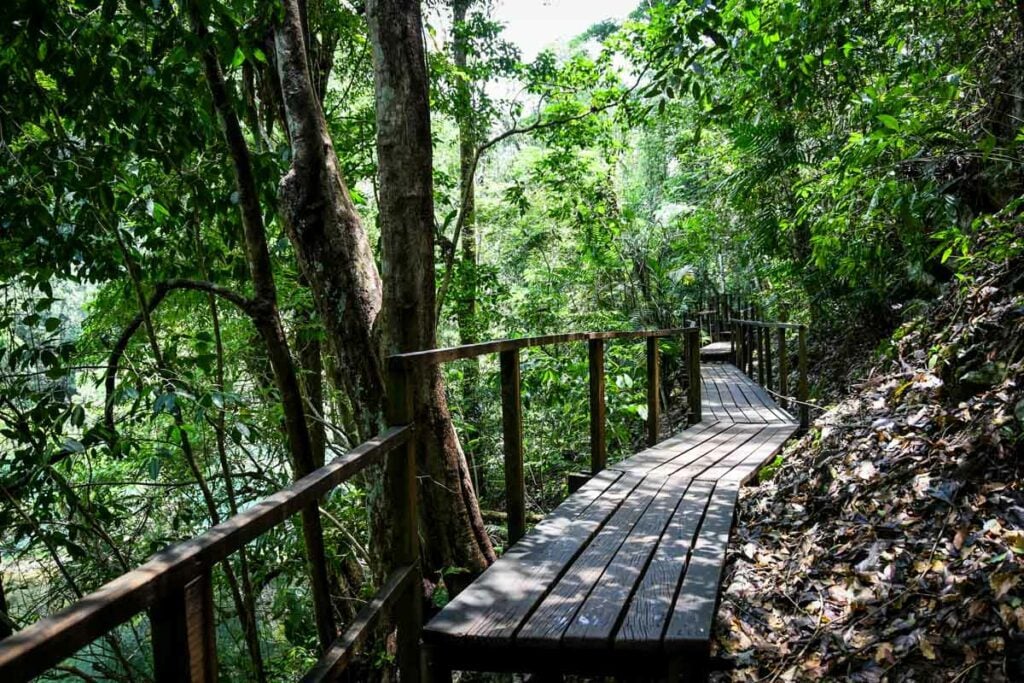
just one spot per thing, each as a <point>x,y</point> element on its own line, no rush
<point>888,544</point>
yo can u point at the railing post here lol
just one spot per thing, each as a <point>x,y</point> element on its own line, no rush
<point>760,355</point>
<point>693,372</point>
<point>783,368</point>
<point>653,390</point>
<point>400,478</point>
<point>751,338</point>
<point>512,429</point>
<point>803,391</point>
<point>184,635</point>
<point>598,448</point>
<point>769,380</point>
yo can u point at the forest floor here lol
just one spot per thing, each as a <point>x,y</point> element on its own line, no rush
<point>889,543</point>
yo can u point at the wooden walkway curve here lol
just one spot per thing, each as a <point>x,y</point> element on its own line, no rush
<point>622,577</point>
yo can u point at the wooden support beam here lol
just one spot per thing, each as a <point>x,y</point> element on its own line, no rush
<point>693,372</point>
<point>752,351</point>
<point>769,380</point>
<point>512,428</point>
<point>340,653</point>
<point>803,390</point>
<point>400,483</point>
<point>598,447</point>
<point>184,634</point>
<point>653,390</point>
<point>780,334</point>
<point>760,355</point>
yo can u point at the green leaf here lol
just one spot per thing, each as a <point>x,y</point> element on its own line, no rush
<point>889,122</point>
<point>164,403</point>
<point>46,81</point>
<point>237,58</point>
<point>155,464</point>
<point>157,211</point>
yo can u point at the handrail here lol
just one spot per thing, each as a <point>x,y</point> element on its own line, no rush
<point>768,323</point>
<point>752,347</point>
<point>168,575</point>
<point>453,353</point>
<point>511,400</point>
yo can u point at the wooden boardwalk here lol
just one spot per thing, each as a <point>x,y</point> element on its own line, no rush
<point>622,577</point>
<point>720,351</point>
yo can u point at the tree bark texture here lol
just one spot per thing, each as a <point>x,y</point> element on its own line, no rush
<point>453,527</point>
<point>330,242</point>
<point>267,319</point>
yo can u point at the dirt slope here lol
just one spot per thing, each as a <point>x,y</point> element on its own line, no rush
<point>890,543</point>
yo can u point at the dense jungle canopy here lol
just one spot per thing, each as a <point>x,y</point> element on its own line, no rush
<point>219,217</point>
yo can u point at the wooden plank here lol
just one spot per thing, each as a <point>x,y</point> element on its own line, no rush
<point>494,606</point>
<point>710,396</point>
<point>693,613</point>
<point>759,330</point>
<point>342,650</point>
<point>34,649</point>
<point>544,628</point>
<point>184,634</point>
<point>742,391</point>
<point>725,444</point>
<point>803,392</point>
<point>671,450</point>
<point>780,336</point>
<point>765,406</point>
<point>650,608</point>
<point>721,382</point>
<point>512,431</point>
<point>693,375</point>
<point>595,621</point>
<point>750,412</point>
<point>401,497</point>
<point>763,402</point>
<point>739,455</point>
<point>598,446</point>
<point>756,459</point>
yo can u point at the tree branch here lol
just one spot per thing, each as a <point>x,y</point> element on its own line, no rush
<point>159,294</point>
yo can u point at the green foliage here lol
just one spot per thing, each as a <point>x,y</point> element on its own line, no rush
<point>836,161</point>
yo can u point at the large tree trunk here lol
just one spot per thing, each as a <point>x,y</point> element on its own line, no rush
<point>453,525</point>
<point>329,238</point>
<point>334,255</point>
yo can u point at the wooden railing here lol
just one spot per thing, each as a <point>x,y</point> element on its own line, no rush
<point>752,346</point>
<point>508,351</point>
<point>175,585</point>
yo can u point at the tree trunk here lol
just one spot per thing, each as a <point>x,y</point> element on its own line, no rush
<point>267,319</point>
<point>454,529</point>
<point>330,241</point>
<point>466,306</point>
<point>334,255</point>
